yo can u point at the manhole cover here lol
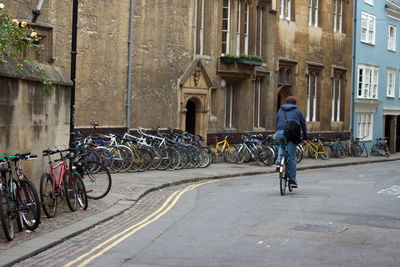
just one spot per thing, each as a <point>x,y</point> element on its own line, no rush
<point>320,228</point>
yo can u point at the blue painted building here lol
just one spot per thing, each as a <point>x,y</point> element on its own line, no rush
<point>376,80</point>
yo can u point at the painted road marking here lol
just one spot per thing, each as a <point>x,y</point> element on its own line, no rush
<point>167,206</point>
<point>393,191</point>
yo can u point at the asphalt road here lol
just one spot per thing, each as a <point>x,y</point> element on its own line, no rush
<point>345,216</point>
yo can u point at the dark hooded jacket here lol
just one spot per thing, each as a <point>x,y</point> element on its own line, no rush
<point>292,113</point>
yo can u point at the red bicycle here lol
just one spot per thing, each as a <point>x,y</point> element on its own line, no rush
<point>60,182</point>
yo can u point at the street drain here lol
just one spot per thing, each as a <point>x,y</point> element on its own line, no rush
<point>320,228</point>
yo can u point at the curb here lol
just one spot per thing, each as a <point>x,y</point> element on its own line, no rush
<point>58,236</point>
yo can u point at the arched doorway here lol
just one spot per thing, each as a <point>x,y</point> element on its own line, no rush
<point>190,117</point>
<point>283,93</point>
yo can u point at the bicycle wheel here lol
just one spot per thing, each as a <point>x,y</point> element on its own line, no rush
<point>364,152</point>
<point>299,153</point>
<point>375,150</point>
<point>265,156</point>
<point>283,177</point>
<point>146,157</point>
<point>243,154</point>
<point>47,196</point>
<point>230,154</point>
<point>97,184</point>
<point>6,213</point>
<point>105,155</point>
<point>70,192</point>
<point>118,159</point>
<point>29,204</point>
<point>216,153</point>
<point>165,159</point>
<point>80,191</point>
<point>325,152</point>
<point>205,157</point>
<point>128,157</point>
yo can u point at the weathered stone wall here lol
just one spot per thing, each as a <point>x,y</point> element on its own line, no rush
<point>33,118</point>
<point>163,50</point>
<point>296,40</point>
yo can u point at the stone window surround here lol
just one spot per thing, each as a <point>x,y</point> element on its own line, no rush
<point>338,10</point>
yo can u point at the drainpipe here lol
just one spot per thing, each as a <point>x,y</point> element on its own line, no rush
<point>36,12</point>
<point>73,65</point>
<point>129,82</point>
<point>353,72</point>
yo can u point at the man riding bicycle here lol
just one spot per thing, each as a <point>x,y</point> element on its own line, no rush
<point>289,112</point>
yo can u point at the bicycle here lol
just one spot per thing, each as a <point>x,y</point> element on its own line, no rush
<point>223,148</point>
<point>317,149</point>
<point>67,185</point>
<point>18,197</point>
<point>95,175</point>
<point>283,174</point>
<point>381,148</point>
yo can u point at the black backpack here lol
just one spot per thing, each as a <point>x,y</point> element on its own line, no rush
<point>292,130</point>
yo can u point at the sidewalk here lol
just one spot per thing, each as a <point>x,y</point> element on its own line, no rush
<point>127,188</point>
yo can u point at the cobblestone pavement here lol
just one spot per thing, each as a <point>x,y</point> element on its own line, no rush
<point>127,188</point>
<point>72,248</point>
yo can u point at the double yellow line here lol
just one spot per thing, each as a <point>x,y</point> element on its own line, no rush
<point>118,238</point>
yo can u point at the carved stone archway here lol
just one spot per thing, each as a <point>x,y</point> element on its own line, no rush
<point>195,88</point>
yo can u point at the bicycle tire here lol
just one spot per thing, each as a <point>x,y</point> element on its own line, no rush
<point>70,192</point>
<point>118,159</point>
<point>325,152</point>
<point>205,157</point>
<point>47,197</point>
<point>230,154</point>
<point>283,178</point>
<point>29,204</point>
<point>299,153</point>
<point>127,157</point>
<point>97,184</point>
<point>175,158</point>
<point>216,154</point>
<point>6,214</point>
<point>243,154</point>
<point>364,152</point>
<point>105,156</point>
<point>146,158</point>
<point>375,150</point>
<point>80,191</point>
<point>165,159</point>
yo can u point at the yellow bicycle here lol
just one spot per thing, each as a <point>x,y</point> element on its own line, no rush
<point>223,149</point>
<point>317,149</point>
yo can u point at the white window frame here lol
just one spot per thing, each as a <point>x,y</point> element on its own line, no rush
<point>238,14</point>
<point>392,32</point>
<point>338,16</point>
<point>286,9</point>
<point>260,29</point>
<point>201,29</point>
<point>226,32</point>
<point>313,7</point>
<point>336,97</point>
<point>369,2</point>
<point>246,28</point>
<point>368,81</point>
<point>390,82</point>
<point>365,122</point>
<point>312,90</point>
<point>368,26</point>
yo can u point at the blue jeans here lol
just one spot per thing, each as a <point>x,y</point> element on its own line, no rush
<point>292,161</point>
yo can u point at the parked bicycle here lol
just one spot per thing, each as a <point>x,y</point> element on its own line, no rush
<point>66,185</point>
<point>18,197</point>
<point>381,148</point>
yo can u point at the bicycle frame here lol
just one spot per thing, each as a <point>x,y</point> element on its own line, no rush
<point>314,146</point>
<point>56,185</point>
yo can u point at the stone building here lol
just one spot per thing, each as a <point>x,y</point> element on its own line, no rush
<point>210,67</point>
<point>314,61</point>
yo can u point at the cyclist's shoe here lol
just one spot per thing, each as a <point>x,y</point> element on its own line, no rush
<point>293,184</point>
